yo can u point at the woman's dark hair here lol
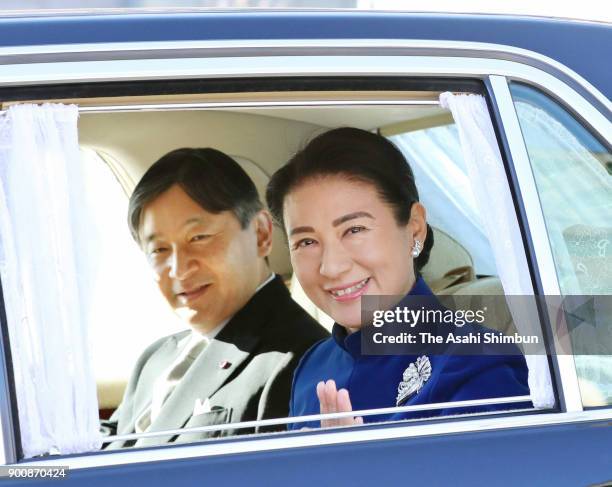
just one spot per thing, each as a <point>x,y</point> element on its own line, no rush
<point>209,177</point>
<point>360,156</point>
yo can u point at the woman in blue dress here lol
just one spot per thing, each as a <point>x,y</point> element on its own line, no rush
<point>350,209</point>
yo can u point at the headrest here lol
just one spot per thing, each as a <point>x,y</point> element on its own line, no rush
<point>447,254</point>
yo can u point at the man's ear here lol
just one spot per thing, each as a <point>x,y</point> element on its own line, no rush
<point>418,222</point>
<point>263,229</point>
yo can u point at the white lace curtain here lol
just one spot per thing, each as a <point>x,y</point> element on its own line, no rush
<point>490,186</point>
<point>444,188</point>
<point>44,280</point>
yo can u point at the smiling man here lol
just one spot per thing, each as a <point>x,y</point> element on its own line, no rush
<point>198,218</point>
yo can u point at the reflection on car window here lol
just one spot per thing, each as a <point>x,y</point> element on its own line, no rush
<point>573,173</point>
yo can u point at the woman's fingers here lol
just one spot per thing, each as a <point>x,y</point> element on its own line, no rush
<point>332,401</point>
<point>343,401</point>
<point>326,392</point>
<point>322,399</point>
<point>344,405</point>
<point>331,395</point>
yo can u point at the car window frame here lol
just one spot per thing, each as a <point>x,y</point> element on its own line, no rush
<point>407,59</point>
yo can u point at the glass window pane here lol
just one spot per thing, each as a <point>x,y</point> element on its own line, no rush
<point>573,173</point>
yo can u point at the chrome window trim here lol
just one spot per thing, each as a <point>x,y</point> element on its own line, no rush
<point>152,107</point>
<point>570,391</point>
<point>215,67</point>
<point>300,439</point>
<point>8,447</point>
<point>288,47</point>
<point>329,65</point>
<point>318,417</point>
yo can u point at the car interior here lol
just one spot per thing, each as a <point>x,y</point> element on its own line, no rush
<point>261,131</point>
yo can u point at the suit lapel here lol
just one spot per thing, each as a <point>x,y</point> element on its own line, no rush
<point>201,381</point>
<point>234,344</point>
<point>155,366</point>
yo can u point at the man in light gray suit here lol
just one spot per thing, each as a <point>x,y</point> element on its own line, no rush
<point>197,216</point>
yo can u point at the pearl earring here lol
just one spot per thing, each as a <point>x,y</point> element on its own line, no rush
<point>416,248</point>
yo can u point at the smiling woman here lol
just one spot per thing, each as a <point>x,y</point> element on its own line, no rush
<point>373,219</point>
<point>364,237</point>
<point>322,254</point>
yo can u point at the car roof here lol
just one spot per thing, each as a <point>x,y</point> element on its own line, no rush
<point>576,44</point>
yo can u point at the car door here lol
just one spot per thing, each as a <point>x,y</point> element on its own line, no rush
<point>296,74</point>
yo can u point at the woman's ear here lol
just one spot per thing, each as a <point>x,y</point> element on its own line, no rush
<point>263,229</point>
<point>418,222</point>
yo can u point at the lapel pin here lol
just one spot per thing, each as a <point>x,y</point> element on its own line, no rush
<point>414,377</point>
<point>224,364</point>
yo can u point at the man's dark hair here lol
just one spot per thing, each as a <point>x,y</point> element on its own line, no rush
<point>357,155</point>
<point>209,177</point>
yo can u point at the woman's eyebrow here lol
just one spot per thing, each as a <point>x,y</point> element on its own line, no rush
<point>351,216</point>
<point>335,223</point>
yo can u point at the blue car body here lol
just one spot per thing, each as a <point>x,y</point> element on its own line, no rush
<point>563,446</point>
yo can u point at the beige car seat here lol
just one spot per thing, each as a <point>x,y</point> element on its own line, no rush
<point>448,258</point>
<point>484,294</point>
